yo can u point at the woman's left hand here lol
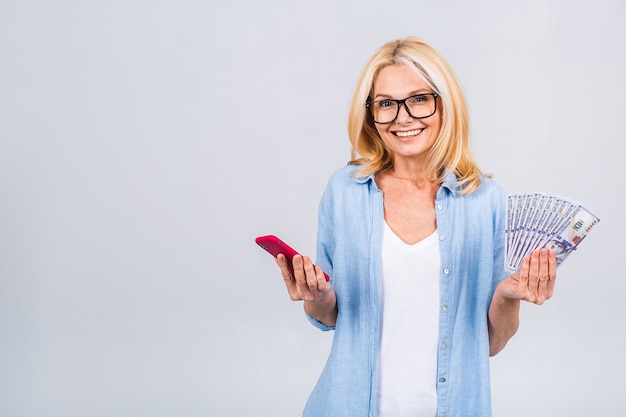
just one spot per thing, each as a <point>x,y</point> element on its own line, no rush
<point>534,282</point>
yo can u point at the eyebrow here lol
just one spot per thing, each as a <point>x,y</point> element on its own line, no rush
<point>411,94</point>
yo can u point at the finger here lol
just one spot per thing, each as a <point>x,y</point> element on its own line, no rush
<point>285,267</point>
<point>311,276</point>
<point>552,264</point>
<point>299,273</point>
<point>544,276</point>
<point>533,275</point>
<point>551,272</point>
<point>523,275</point>
<point>286,270</point>
<point>321,278</point>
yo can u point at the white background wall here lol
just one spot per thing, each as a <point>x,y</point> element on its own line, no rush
<point>144,144</point>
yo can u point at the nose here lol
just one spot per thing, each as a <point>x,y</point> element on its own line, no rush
<point>403,115</point>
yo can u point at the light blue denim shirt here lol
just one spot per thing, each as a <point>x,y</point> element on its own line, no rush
<point>471,240</point>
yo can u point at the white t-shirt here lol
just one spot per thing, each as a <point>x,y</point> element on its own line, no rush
<point>409,327</point>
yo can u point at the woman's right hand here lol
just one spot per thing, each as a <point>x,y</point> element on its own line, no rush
<point>307,282</point>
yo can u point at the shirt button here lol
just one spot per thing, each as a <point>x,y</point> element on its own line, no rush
<point>444,307</point>
<point>446,271</point>
<point>442,379</point>
<point>444,344</point>
<point>442,237</point>
<point>442,414</point>
<point>440,206</point>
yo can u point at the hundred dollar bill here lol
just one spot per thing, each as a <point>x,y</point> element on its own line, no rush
<point>572,234</point>
<point>524,204</point>
<point>517,204</point>
<point>528,214</point>
<point>539,220</point>
<point>531,230</point>
<point>562,213</point>
<point>559,216</point>
<point>547,211</point>
<point>509,225</point>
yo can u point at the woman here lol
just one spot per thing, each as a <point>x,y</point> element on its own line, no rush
<point>412,234</point>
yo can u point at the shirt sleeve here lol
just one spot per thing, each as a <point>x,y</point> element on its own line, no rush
<point>499,219</point>
<point>324,244</point>
<point>318,323</point>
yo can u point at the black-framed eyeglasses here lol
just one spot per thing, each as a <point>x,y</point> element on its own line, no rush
<point>419,106</point>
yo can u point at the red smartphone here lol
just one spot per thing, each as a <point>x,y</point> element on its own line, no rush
<point>275,246</point>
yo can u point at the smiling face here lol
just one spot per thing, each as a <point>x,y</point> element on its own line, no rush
<point>408,139</point>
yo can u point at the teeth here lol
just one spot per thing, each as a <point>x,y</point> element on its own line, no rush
<point>409,133</point>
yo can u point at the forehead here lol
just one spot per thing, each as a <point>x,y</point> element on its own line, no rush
<point>398,80</point>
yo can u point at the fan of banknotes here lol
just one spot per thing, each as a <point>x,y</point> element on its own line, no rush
<point>541,220</point>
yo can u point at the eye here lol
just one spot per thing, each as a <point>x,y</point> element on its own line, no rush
<point>418,99</point>
<point>384,104</point>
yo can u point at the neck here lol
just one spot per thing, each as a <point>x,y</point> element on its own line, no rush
<point>419,182</point>
<point>414,173</point>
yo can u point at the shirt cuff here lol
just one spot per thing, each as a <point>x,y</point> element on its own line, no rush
<point>315,322</point>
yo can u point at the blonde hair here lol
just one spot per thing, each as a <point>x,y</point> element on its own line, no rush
<point>451,151</point>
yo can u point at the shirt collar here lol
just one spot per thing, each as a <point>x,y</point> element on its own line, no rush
<point>450,184</point>
<point>364,179</point>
